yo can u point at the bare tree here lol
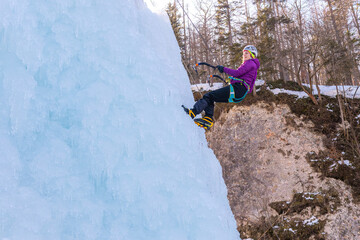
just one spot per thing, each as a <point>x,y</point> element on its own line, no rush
<point>205,24</point>
<point>307,41</point>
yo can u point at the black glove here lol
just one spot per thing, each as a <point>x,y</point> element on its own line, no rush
<point>220,68</point>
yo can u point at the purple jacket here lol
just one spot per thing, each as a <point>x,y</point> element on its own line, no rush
<point>247,72</point>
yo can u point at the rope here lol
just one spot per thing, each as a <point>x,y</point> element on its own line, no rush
<point>203,39</point>
<point>197,30</point>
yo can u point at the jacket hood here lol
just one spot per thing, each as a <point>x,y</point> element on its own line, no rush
<point>256,61</point>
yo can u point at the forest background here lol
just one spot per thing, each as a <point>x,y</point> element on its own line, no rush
<point>316,42</point>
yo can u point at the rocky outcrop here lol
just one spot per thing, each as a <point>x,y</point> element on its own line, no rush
<point>272,189</point>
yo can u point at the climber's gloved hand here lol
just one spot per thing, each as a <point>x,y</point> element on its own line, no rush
<point>220,68</point>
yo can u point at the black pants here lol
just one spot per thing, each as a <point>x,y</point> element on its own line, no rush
<point>219,95</point>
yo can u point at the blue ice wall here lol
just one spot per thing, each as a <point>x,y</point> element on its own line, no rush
<point>93,141</point>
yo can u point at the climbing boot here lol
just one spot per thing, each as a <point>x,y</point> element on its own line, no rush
<point>205,122</point>
<point>189,111</point>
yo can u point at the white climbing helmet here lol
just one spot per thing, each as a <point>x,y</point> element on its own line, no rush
<point>251,49</point>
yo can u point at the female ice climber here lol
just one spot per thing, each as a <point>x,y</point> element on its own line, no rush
<point>241,83</point>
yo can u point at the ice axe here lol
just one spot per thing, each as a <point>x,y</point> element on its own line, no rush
<point>210,76</point>
<point>202,63</point>
<point>216,76</point>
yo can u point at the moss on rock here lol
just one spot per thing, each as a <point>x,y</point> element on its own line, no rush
<point>326,119</point>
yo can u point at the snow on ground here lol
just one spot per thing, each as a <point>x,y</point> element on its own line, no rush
<point>206,87</point>
<point>350,91</point>
<point>311,221</point>
<point>290,92</point>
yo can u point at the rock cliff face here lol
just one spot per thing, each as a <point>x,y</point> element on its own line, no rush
<point>272,189</point>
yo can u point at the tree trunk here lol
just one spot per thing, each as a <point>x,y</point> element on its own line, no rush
<point>229,24</point>
<point>355,18</point>
<point>279,35</point>
<point>184,27</point>
<point>341,105</point>
<point>247,21</point>
<point>337,33</point>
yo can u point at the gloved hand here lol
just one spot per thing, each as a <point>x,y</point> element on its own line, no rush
<point>220,68</point>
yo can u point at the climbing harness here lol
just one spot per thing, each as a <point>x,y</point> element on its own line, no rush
<point>241,81</point>
<point>232,97</point>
